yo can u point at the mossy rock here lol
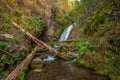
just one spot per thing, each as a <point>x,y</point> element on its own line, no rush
<point>37,63</point>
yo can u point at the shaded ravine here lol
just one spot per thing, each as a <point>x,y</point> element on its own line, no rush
<point>55,68</point>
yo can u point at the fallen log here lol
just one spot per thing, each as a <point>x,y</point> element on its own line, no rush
<point>23,65</point>
<point>67,41</point>
<point>55,42</point>
<point>37,41</point>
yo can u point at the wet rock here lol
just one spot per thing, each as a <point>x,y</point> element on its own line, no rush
<point>37,63</point>
<point>57,47</point>
<point>37,70</point>
<point>50,34</point>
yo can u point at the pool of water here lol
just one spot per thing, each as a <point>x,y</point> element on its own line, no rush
<point>62,70</point>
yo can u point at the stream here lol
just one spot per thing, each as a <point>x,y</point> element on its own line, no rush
<point>55,68</point>
<point>62,70</point>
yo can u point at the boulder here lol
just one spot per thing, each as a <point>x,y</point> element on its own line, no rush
<point>37,63</point>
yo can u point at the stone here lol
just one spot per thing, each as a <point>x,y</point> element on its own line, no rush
<point>37,70</point>
<point>56,47</point>
<point>37,63</point>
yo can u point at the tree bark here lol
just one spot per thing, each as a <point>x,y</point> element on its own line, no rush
<point>37,41</point>
<point>23,65</point>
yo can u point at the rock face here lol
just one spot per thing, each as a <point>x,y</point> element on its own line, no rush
<point>49,35</point>
<point>37,63</point>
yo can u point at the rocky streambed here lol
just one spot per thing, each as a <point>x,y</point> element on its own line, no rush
<point>58,69</point>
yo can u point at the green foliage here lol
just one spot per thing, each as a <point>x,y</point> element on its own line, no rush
<point>24,18</point>
<point>17,13</point>
<point>4,46</point>
<point>99,35</point>
<point>17,57</point>
<point>13,40</point>
<point>22,76</point>
<point>69,54</point>
<point>5,74</point>
<point>38,23</point>
<point>99,21</point>
<point>85,47</point>
<point>4,60</point>
<point>21,36</point>
<point>6,24</point>
<point>33,25</point>
<point>9,61</point>
<point>16,16</point>
<point>63,19</point>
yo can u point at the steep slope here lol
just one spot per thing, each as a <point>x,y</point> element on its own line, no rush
<point>35,16</point>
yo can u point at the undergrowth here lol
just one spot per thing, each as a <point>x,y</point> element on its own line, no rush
<point>9,60</point>
<point>99,40</point>
<point>22,17</point>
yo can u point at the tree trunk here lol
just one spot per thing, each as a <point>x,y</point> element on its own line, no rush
<point>23,65</point>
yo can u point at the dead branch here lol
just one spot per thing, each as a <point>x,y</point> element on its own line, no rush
<point>23,65</point>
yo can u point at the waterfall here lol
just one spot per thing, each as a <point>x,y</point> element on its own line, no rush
<point>64,36</point>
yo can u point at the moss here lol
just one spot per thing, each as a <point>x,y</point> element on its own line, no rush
<point>37,64</point>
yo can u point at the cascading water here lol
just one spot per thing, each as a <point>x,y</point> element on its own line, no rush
<point>64,36</point>
<point>49,58</point>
